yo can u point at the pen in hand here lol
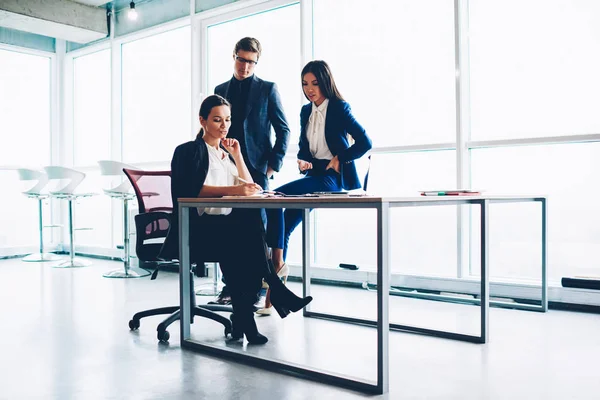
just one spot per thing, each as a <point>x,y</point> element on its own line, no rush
<point>260,190</point>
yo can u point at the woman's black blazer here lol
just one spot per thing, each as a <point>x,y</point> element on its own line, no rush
<point>189,168</point>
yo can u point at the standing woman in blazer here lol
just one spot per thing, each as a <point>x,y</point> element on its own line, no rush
<point>325,157</point>
<point>213,166</point>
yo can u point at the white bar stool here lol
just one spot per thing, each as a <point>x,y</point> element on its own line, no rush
<point>67,192</point>
<point>36,193</point>
<point>122,192</point>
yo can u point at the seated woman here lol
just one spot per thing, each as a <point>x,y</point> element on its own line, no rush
<point>213,166</point>
<point>325,157</point>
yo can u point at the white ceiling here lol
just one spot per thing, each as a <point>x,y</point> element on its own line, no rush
<point>62,19</point>
<point>94,3</point>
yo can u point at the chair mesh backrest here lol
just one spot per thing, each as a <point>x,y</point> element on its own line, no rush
<point>151,226</point>
<point>152,189</point>
<point>153,192</point>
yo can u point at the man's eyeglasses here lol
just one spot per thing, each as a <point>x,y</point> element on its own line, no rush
<point>243,60</point>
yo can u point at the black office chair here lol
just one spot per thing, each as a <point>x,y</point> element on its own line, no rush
<point>153,192</point>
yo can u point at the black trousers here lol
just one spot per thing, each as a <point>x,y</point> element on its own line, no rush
<point>236,242</point>
<point>262,180</point>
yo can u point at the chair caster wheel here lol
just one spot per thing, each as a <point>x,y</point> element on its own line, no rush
<point>134,324</point>
<point>163,336</point>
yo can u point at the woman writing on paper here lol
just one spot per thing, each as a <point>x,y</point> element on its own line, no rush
<point>211,166</point>
<point>325,157</point>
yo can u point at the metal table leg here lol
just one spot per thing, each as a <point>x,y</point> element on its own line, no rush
<point>380,386</point>
<point>544,204</point>
<point>306,257</point>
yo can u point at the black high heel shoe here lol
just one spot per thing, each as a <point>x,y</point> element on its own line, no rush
<point>284,300</point>
<point>237,332</point>
<point>246,325</point>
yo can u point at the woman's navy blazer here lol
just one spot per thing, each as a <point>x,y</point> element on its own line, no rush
<point>339,122</point>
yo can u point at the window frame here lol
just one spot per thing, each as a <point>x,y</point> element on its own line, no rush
<point>61,131</point>
<point>56,60</point>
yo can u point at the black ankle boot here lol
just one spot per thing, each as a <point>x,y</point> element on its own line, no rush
<point>246,325</point>
<point>237,332</point>
<point>283,299</point>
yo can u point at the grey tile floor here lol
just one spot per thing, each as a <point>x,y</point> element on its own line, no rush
<point>65,336</point>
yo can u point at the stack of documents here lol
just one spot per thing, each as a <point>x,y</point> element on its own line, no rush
<point>453,192</point>
<point>331,193</point>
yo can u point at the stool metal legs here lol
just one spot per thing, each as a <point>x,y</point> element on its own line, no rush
<point>72,262</point>
<point>41,256</point>
<point>212,289</point>
<point>128,271</point>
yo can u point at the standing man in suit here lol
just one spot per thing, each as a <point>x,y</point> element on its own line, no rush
<point>255,108</point>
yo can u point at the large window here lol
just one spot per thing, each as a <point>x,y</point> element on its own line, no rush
<point>91,108</point>
<point>398,74</point>
<point>25,136</point>
<point>350,237</point>
<point>399,77</point>
<point>538,78</point>
<point>567,175</point>
<point>523,76</point>
<point>92,142</point>
<point>534,68</point>
<point>278,31</point>
<point>156,107</point>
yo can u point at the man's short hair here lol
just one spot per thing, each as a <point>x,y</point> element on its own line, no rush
<point>248,44</point>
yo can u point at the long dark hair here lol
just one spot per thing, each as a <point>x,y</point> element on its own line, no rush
<point>322,72</point>
<point>206,107</point>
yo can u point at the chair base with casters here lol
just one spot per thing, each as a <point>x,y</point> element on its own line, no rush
<point>72,262</point>
<point>155,225</point>
<point>41,256</point>
<point>205,311</point>
<point>128,271</point>
<point>152,224</point>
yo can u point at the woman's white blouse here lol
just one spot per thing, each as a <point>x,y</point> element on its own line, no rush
<point>315,132</point>
<point>221,172</point>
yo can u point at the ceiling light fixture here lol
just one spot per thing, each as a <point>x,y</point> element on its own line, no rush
<point>132,13</point>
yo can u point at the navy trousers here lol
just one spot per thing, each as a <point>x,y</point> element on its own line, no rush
<point>280,223</point>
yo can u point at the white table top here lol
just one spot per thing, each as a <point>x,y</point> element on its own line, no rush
<point>350,201</point>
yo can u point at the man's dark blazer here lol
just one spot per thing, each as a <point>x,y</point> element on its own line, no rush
<point>263,110</point>
<point>339,122</point>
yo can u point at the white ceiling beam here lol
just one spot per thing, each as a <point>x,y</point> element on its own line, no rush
<point>61,19</point>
